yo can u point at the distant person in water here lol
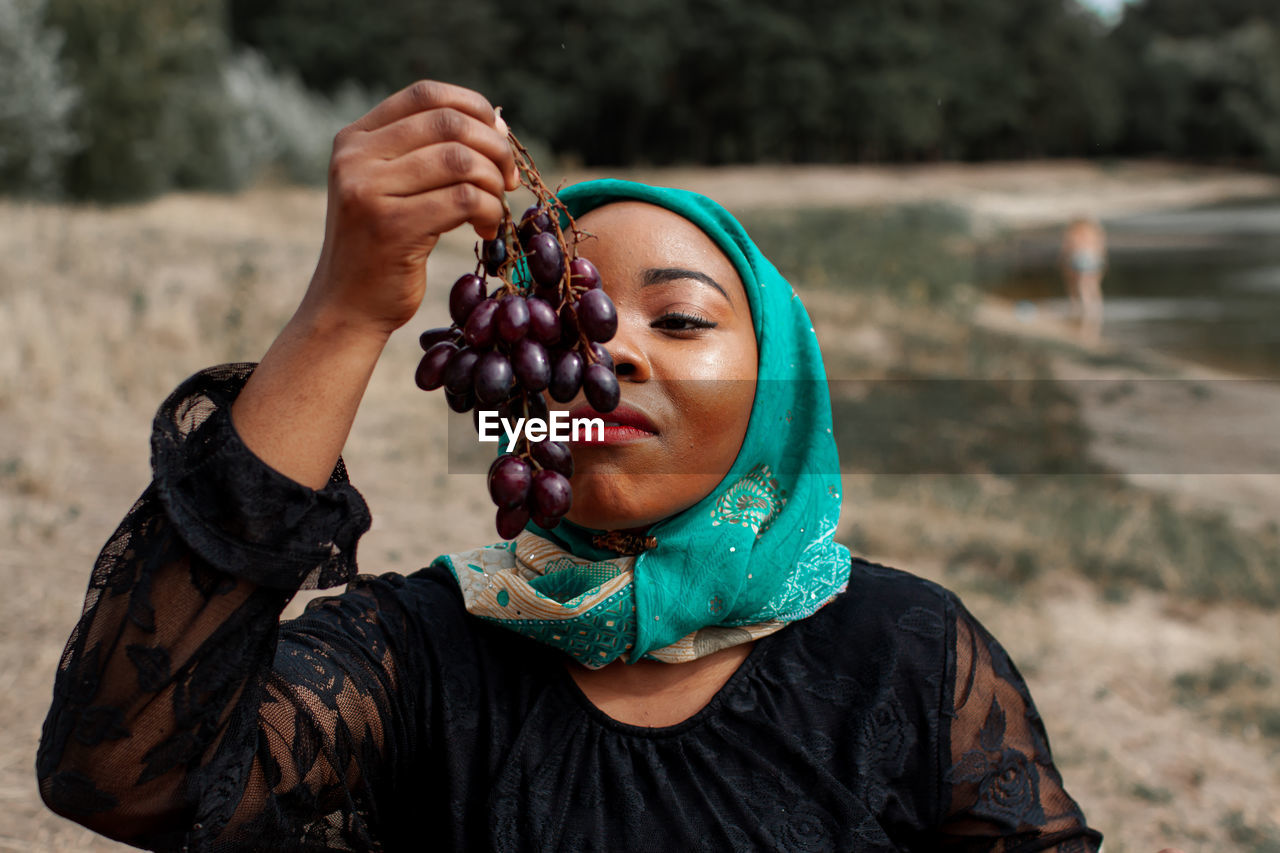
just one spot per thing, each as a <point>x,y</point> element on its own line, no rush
<point>1084,260</point>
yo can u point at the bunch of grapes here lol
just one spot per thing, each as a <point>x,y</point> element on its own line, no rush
<point>531,319</point>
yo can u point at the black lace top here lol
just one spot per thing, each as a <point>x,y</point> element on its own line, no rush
<point>185,716</point>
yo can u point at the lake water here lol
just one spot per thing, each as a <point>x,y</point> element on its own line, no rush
<point>1201,285</point>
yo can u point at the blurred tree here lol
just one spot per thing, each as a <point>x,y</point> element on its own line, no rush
<point>1192,18</point>
<point>167,102</point>
<point>731,80</point>
<point>1071,105</point>
<point>1204,80</point>
<point>331,41</point>
<point>153,111</point>
<point>35,102</point>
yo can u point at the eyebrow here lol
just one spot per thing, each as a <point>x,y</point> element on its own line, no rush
<point>656,275</point>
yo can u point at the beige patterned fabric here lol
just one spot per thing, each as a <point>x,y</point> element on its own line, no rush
<point>587,611</point>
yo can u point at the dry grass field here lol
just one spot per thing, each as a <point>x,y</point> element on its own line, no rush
<point>1152,655</point>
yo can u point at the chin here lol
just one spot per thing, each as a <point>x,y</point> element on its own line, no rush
<point>624,501</point>
<point>605,502</point>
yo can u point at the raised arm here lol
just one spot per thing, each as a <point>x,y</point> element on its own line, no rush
<point>424,161</point>
<point>182,713</point>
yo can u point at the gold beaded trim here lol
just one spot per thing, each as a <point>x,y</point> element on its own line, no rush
<point>624,543</point>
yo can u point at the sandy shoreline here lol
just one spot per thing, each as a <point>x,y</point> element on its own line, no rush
<point>999,195</point>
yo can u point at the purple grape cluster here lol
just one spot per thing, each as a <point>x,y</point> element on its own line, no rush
<point>540,330</point>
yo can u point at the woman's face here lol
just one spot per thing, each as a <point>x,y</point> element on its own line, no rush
<point>685,355</point>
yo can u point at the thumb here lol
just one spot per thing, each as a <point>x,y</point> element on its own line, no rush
<point>500,124</point>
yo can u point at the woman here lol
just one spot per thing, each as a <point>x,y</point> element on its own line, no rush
<point>698,665</point>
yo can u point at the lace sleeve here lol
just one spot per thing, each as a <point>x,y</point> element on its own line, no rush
<point>1005,794</point>
<point>184,716</point>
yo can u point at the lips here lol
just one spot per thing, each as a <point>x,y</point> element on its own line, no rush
<point>622,424</point>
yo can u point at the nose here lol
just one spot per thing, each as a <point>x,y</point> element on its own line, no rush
<point>630,360</point>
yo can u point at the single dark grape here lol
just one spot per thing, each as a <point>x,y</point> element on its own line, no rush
<point>533,221</point>
<point>493,377</point>
<point>601,388</point>
<point>546,259</point>
<point>553,455</point>
<point>460,402</point>
<point>466,294</point>
<point>568,325</point>
<point>430,373</point>
<point>600,355</point>
<point>549,295</point>
<point>493,466</point>
<point>532,366</point>
<point>459,373</point>
<point>544,325</point>
<point>535,407</point>
<point>512,409</point>
<point>546,523</point>
<point>511,521</point>
<point>494,252</point>
<point>597,317</point>
<point>513,318</point>
<point>431,337</point>
<point>481,328</point>
<point>550,493</point>
<point>583,274</point>
<point>566,377</point>
<point>509,480</point>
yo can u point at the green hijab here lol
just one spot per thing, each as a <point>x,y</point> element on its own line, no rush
<point>758,550</point>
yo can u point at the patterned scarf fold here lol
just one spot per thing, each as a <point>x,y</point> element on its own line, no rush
<point>584,607</point>
<point>756,553</point>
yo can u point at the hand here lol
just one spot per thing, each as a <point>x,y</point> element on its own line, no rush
<point>424,161</point>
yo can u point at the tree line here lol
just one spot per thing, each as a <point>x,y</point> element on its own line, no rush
<point>135,97</point>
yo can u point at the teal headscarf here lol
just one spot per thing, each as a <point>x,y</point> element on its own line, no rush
<point>760,547</point>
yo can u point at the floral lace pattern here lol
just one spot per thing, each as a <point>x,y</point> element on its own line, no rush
<point>185,716</point>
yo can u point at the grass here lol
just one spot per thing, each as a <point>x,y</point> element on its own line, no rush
<point>1194,687</point>
<point>1250,837</point>
<point>919,252</point>
<point>1152,794</point>
<point>1236,694</point>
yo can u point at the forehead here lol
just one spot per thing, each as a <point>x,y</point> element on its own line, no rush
<point>649,236</point>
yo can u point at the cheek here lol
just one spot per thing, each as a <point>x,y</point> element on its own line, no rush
<point>716,414</point>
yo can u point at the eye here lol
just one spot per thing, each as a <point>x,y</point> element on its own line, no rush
<point>680,321</point>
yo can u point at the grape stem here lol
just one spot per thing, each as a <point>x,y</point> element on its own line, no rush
<point>531,180</point>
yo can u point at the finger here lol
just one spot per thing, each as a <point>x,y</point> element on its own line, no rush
<point>439,165</point>
<point>445,208</point>
<point>442,125</point>
<point>426,95</point>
